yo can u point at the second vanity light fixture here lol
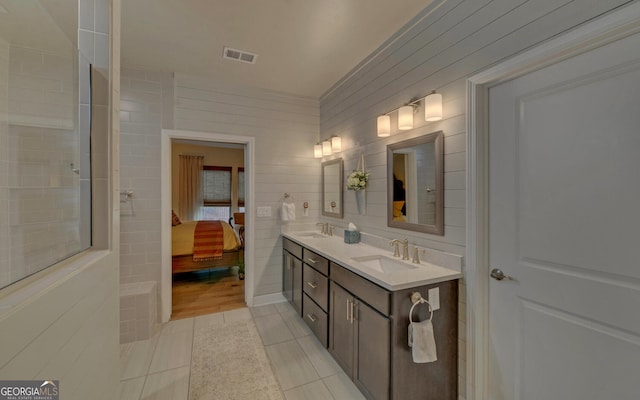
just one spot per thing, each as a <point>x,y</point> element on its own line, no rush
<point>328,147</point>
<point>432,112</point>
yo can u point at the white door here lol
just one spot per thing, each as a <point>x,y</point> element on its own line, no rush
<point>564,154</point>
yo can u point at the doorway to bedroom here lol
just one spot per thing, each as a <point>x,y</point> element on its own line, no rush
<point>207,234</point>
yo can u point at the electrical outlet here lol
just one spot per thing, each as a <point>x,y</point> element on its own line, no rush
<point>264,211</point>
<point>434,298</point>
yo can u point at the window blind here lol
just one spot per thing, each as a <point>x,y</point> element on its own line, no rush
<point>217,186</point>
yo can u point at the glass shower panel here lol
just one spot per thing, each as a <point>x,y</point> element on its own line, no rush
<point>45,176</point>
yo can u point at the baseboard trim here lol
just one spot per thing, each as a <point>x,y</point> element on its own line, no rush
<point>268,299</point>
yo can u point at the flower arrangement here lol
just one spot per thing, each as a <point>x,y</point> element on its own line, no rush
<point>357,180</point>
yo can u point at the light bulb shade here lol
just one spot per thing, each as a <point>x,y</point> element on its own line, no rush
<point>326,148</point>
<point>336,144</point>
<point>405,118</point>
<point>317,151</point>
<point>433,107</point>
<point>384,126</point>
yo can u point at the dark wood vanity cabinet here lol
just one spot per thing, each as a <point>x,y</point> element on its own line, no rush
<point>292,274</point>
<point>365,327</point>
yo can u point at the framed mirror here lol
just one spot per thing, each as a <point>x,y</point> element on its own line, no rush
<point>332,205</point>
<point>415,184</point>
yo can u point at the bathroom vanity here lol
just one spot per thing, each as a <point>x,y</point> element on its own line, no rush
<point>356,300</point>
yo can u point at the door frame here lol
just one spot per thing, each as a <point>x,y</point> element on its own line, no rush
<point>616,25</point>
<point>165,209</point>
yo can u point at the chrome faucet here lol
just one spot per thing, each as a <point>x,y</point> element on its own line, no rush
<point>405,248</point>
<point>324,227</point>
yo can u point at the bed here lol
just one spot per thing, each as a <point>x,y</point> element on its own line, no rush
<point>182,248</point>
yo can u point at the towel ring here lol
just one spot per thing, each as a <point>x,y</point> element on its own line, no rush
<point>288,199</point>
<point>420,301</point>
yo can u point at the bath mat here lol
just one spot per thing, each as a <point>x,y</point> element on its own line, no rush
<point>229,363</point>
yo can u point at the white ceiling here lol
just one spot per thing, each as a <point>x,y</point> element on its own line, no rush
<point>303,46</point>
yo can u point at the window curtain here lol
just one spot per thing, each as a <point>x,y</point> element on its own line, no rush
<point>190,195</point>
<point>240,187</point>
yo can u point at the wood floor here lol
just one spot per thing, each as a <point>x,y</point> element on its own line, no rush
<point>205,292</point>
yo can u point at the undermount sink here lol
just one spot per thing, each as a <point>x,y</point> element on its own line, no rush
<point>313,235</point>
<point>383,264</point>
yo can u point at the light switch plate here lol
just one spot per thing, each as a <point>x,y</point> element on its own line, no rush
<point>434,298</point>
<point>264,211</point>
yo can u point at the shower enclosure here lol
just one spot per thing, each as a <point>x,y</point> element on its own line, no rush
<point>46,114</point>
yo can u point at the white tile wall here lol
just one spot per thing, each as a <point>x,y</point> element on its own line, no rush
<point>285,129</point>
<point>40,144</point>
<point>41,87</point>
<point>141,124</point>
<point>453,41</point>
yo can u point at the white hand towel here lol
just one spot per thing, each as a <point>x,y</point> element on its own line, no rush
<point>288,212</point>
<point>422,342</point>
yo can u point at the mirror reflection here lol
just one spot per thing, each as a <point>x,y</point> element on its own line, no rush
<point>415,184</point>
<point>332,188</point>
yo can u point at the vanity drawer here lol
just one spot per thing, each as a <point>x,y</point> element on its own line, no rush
<point>316,261</point>
<point>292,247</point>
<point>316,286</point>
<point>369,292</point>
<point>316,319</point>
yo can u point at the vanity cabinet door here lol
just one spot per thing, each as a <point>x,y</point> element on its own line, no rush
<point>373,355</point>
<point>287,275</point>
<point>292,281</point>
<point>341,327</point>
<point>296,285</point>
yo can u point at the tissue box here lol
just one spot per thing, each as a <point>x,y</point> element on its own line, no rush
<point>351,236</point>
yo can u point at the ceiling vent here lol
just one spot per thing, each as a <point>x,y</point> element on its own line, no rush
<point>239,55</point>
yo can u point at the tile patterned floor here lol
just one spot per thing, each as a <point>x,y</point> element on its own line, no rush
<point>163,366</point>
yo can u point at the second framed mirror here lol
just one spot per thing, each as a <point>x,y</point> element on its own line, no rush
<point>332,205</point>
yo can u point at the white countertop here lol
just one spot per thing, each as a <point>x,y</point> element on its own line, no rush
<point>334,248</point>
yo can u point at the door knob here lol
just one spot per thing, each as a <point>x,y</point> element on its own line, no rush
<point>498,275</point>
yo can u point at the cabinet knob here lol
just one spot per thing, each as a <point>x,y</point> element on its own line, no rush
<point>313,285</point>
<point>312,317</point>
<point>311,260</point>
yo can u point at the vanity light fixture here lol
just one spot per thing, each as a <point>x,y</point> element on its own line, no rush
<point>433,107</point>
<point>432,112</point>
<point>326,148</point>
<point>384,125</point>
<point>405,117</point>
<point>317,150</point>
<point>336,144</point>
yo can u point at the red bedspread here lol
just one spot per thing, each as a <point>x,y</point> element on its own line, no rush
<point>208,241</point>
